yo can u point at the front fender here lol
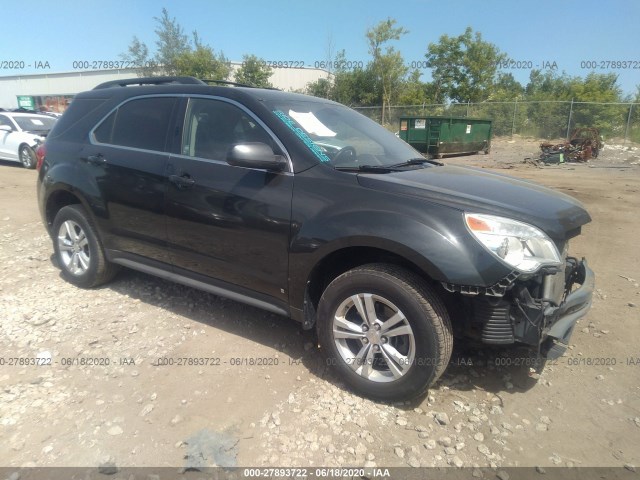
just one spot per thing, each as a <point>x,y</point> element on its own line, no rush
<point>432,237</point>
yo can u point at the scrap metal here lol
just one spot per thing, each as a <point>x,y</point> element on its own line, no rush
<point>583,145</point>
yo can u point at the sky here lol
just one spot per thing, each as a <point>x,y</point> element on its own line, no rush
<point>571,35</point>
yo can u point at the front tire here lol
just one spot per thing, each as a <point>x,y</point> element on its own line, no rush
<point>385,330</point>
<point>78,249</point>
<point>27,157</point>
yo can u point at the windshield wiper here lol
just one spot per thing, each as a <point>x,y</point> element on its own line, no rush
<point>371,168</point>
<point>416,161</point>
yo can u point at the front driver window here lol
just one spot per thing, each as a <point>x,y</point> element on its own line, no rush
<point>212,127</point>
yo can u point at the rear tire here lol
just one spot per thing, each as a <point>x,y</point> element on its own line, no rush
<point>78,249</point>
<point>385,331</point>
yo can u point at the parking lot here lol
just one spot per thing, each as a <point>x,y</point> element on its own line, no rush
<point>146,372</point>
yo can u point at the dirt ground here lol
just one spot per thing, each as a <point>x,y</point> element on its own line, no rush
<point>266,399</point>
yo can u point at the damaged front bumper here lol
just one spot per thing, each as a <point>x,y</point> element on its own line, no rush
<point>539,311</point>
<point>544,311</point>
<point>561,320</point>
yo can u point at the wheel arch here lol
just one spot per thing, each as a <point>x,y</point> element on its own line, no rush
<point>59,199</point>
<point>345,258</point>
<point>31,145</point>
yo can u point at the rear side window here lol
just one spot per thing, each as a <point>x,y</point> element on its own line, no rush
<point>141,123</point>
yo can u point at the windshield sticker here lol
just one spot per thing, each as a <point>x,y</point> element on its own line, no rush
<point>311,124</point>
<point>301,134</point>
<point>35,121</point>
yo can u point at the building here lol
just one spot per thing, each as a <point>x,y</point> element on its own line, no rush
<point>54,91</point>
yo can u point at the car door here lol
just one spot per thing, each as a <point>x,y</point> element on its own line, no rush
<point>226,223</point>
<point>127,157</point>
<point>8,148</point>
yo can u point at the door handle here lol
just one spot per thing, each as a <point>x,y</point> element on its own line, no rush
<point>98,159</point>
<point>182,181</point>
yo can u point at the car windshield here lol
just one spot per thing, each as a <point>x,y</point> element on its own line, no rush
<point>35,123</point>
<point>342,137</point>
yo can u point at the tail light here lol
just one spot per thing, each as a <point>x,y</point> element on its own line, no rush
<point>41,152</point>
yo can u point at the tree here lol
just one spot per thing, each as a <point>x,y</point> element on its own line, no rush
<point>602,88</point>
<point>415,92</point>
<point>138,55</point>
<point>322,88</point>
<point>547,89</point>
<point>464,68</point>
<point>171,43</point>
<point>351,86</point>
<point>596,87</point>
<point>388,64</point>
<point>254,71</point>
<point>203,63</point>
<point>506,88</point>
<point>504,114</point>
<point>548,85</point>
<point>553,117</point>
<point>175,54</point>
<point>358,87</point>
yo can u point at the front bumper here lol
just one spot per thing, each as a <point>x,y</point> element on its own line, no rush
<point>540,312</point>
<point>561,320</point>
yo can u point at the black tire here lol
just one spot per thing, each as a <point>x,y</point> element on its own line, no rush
<point>420,309</point>
<point>27,156</point>
<point>83,262</point>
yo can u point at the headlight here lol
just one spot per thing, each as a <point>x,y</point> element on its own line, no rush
<point>519,245</point>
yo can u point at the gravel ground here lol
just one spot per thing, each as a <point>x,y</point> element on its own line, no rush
<point>248,388</point>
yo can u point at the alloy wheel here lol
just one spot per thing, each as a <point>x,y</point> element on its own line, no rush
<point>374,337</point>
<point>74,248</point>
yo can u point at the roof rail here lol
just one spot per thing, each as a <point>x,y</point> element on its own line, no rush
<point>226,82</point>
<point>234,84</point>
<point>151,81</point>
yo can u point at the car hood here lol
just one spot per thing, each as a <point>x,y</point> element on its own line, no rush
<point>475,190</point>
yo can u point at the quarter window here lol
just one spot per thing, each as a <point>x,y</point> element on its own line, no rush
<point>141,123</point>
<point>212,127</point>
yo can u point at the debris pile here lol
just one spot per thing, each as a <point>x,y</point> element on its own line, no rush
<point>584,144</point>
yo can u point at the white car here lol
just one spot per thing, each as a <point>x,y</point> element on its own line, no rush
<point>20,135</point>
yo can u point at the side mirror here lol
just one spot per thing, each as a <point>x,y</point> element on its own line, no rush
<point>6,128</point>
<point>255,155</point>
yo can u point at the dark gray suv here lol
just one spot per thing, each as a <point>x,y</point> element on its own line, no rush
<point>303,207</point>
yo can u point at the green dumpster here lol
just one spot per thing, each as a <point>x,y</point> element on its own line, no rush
<point>440,136</point>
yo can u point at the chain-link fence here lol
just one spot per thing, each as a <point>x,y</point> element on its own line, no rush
<point>540,119</point>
